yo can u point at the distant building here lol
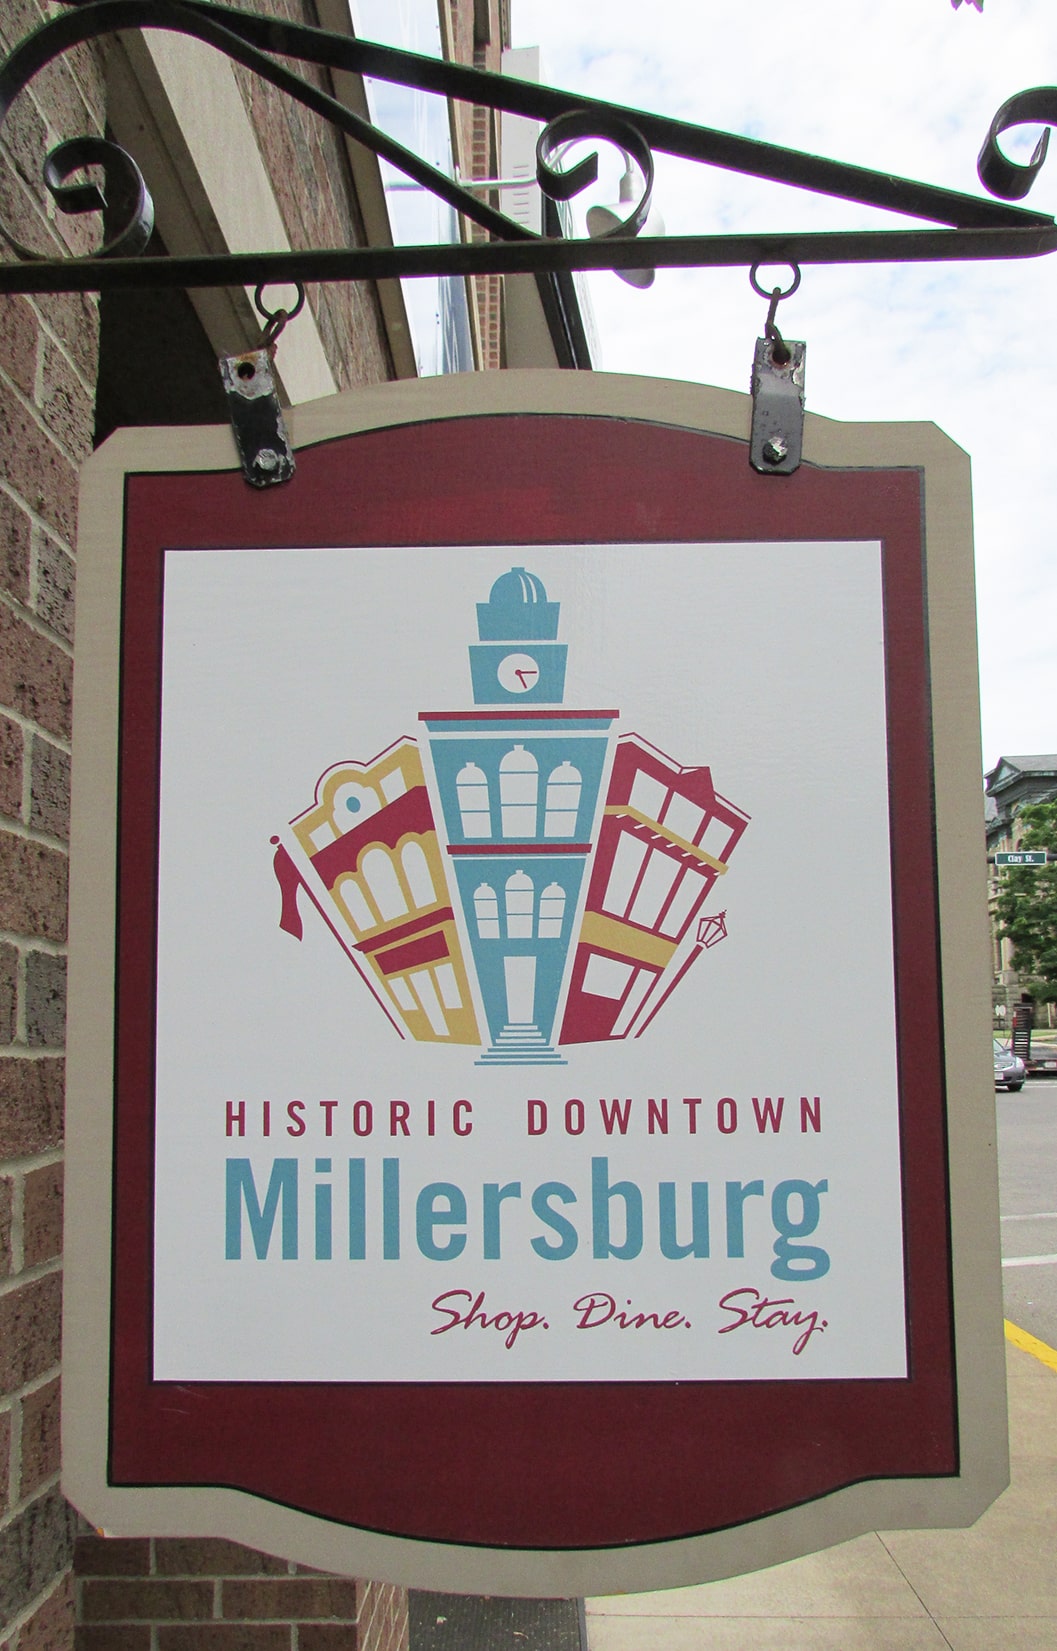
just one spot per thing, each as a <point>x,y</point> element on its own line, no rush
<point>1009,787</point>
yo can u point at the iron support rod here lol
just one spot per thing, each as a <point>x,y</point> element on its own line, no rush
<point>527,257</point>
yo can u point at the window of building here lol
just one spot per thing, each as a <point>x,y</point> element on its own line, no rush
<point>379,873</point>
<point>563,801</point>
<point>648,796</point>
<point>350,895</point>
<point>624,873</point>
<point>520,906</point>
<point>417,873</point>
<point>606,976</point>
<point>655,884</point>
<point>552,912</point>
<point>519,782</point>
<point>486,910</point>
<point>475,813</point>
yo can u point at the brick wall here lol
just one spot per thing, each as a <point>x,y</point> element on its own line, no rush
<point>47,371</point>
<point>156,1595</point>
<point>197,1595</point>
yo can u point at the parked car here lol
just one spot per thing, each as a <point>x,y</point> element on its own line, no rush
<point>1010,1071</point>
<point>1042,1061</point>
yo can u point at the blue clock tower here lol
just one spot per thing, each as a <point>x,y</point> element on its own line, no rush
<point>519,780</point>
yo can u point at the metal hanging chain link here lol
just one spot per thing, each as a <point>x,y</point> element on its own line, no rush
<point>781,354</point>
<point>276,320</point>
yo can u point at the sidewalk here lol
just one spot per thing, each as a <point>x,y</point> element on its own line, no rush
<point>990,1588</point>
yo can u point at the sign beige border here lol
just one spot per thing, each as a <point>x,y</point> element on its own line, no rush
<point>846,1513</point>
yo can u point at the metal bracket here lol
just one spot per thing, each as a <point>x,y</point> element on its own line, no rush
<point>777,437</point>
<point>257,418</point>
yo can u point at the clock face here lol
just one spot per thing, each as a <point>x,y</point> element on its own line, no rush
<point>518,673</point>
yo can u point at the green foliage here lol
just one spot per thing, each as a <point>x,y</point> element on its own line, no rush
<point>1026,907</point>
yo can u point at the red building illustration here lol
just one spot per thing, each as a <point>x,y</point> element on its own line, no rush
<point>666,837</point>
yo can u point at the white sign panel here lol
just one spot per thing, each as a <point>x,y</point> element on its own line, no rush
<point>505,890</point>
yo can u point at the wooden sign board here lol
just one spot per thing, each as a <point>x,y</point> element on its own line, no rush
<point>530,1121</point>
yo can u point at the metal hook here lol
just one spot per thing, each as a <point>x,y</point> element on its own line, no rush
<point>781,354</point>
<point>276,320</point>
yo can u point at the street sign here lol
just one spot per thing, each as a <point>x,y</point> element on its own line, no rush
<point>501,1199</point>
<point>1026,857</point>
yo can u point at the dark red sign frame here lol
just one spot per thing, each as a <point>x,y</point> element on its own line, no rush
<point>535,1466</point>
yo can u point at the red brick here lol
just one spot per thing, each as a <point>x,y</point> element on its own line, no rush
<point>10,768</point>
<point>31,1097</point>
<point>112,1556</point>
<point>42,1215</point>
<point>33,879</point>
<point>87,1638</point>
<point>8,991</point>
<point>292,1600</point>
<point>55,587</point>
<point>40,1436</point>
<point>7,1196</point>
<point>50,1628</point>
<point>211,1556</point>
<point>44,999</point>
<point>225,1636</point>
<point>36,676</point>
<point>37,469</point>
<point>30,1331</point>
<point>19,331</point>
<point>319,1636</point>
<point>147,1601</point>
<point>15,530</point>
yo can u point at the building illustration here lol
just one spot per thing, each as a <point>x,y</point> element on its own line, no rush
<point>543,886</point>
<point>367,856</point>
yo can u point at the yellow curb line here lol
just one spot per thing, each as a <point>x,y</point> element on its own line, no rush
<point>1031,1344</point>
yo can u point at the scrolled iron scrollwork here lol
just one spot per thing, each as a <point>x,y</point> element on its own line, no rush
<point>978,226</point>
<point>123,194</point>
<point>1011,180</point>
<point>562,184</point>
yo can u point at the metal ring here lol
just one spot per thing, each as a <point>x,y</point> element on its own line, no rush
<point>273,315</point>
<point>762,292</point>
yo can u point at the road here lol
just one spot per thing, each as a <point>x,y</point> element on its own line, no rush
<point>1027,1168</point>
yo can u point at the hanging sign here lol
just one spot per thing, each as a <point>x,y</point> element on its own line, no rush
<point>520,962</point>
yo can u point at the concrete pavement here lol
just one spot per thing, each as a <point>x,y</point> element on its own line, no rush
<point>990,1588</point>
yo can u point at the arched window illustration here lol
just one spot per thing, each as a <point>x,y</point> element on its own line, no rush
<point>351,897</point>
<point>380,876</point>
<point>563,801</point>
<point>471,786</point>
<point>519,782</point>
<point>417,873</point>
<point>552,912</point>
<point>520,901</point>
<point>486,910</point>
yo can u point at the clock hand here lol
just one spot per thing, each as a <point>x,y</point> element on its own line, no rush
<point>523,674</point>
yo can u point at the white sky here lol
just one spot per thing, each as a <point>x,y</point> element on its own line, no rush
<point>908,86</point>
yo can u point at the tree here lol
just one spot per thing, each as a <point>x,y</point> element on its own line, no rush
<point>1026,907</point>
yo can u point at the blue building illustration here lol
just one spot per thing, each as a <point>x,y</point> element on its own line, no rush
<point>519,780</point>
